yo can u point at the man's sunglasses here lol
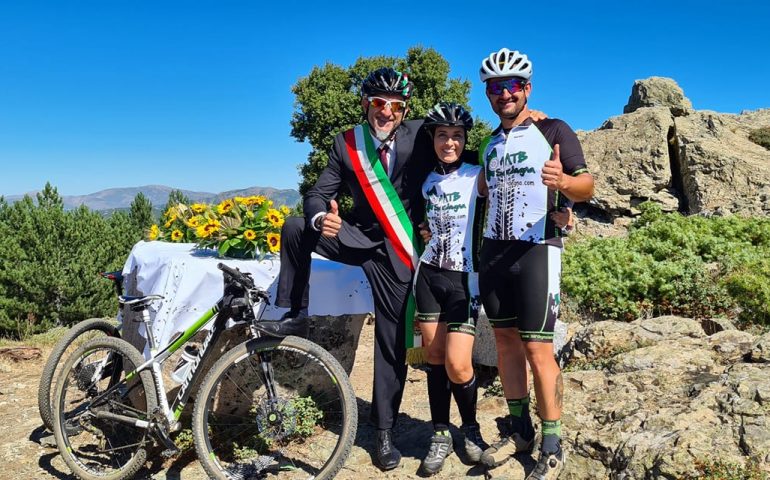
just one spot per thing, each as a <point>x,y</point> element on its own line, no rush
<point>394,105</point>
<point>513,85</point>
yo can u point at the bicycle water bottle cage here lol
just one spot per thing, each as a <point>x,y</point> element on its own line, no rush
<point>137,304</point>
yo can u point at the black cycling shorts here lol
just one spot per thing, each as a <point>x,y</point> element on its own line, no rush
<point>519,286</point>
<point>447,296</point>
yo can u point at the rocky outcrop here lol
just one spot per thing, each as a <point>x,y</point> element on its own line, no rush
<point>658,92</point>
<point>651,398</point>
<point>695,162</point>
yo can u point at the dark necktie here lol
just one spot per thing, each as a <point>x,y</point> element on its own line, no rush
<point>383,151</point>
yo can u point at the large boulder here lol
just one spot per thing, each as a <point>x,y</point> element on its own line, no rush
<point>658,92</point>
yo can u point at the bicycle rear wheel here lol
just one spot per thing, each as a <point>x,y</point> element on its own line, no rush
<point>79,334</point>
<point>100,413</point>
<point>275,408</point>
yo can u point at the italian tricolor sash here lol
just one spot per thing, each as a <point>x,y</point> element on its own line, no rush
<point>386,204</point>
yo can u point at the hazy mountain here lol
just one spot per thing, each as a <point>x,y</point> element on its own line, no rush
<point>121,198</point>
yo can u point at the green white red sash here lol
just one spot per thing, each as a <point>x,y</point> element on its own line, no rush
<point>381,195</point>
<point>388,209</point>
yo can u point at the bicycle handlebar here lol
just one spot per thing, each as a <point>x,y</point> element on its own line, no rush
<point>237,275</point>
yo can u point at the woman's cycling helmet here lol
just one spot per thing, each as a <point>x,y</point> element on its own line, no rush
<point>387,81</point>
<point>448,114</point>
<point>506,63</point>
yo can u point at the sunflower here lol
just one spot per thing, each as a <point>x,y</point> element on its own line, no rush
<point>177,235</point>
<point>259,199</point>
<point>170,221</point>
<point>284,209</point>
<point>198,207</point>
<point>249,234</point>
<point>274,242</point>
<point>153,233</point>
<point>275,218</point>
<point>225,206</point>
<point>205,230</point>
<point>195,222</point>
<point>169,212</point>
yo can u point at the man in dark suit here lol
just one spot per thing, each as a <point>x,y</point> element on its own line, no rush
<point>382,165</point>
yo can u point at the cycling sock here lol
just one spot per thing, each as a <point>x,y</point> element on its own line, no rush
<point>465,396</point>
<point>439,396</point>
<point>551,436</point>
<point>521,422</point>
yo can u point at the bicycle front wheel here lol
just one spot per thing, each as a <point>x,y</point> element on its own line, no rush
<point>101,410</point>
<point>76,336</point>
<point>275,408</point>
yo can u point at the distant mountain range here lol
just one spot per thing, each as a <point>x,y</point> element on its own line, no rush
<point>121,198</point>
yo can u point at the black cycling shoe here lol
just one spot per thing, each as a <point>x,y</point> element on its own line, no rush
<point>291,323</point>
<point>386,455</point>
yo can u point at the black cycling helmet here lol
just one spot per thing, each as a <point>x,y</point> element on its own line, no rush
<point>387,81</point>
<point>450,115</point>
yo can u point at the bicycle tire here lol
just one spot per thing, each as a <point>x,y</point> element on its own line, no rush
<point>102,448</point>
<point>74,335</point>
<point>308,433</point>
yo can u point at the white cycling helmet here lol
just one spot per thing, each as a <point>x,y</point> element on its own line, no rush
<point>505,63</point>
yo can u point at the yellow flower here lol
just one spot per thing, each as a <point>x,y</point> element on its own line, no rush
<point>260,199</point>
<point>274,242</point>
<point>170,220</point>
<point>198,207</point>
<point>153,233</point>
<point>285,210</point>
<point>194,222</point>
<point>205,230</point>
<point>225,206</point>
<point>169,212</point>
<point>250,214</point>
<point>249,234</point>
<point>269,203</point>
<point>275,218</point>
<point>176,235</point>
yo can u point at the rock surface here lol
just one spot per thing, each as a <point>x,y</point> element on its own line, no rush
<point>661,149</point>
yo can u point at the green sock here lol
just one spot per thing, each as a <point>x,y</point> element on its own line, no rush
<point>516,406</point>
<point>551,436</point>
<point>521,422</point>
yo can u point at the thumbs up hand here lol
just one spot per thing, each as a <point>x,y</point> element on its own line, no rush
<point>332,221</point>
<point>553,173</point>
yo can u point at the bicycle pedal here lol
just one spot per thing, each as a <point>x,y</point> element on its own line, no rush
<point>170,452</point>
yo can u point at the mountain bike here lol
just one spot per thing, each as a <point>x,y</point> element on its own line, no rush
<point>75,336</point>
<point>270,407</point>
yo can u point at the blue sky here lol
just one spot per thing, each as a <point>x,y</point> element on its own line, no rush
<point>197,94</point>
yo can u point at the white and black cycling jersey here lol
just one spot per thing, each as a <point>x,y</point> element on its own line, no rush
<point>451,208</point>
<point>519,203</point>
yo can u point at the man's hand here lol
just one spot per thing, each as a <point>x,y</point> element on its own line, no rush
<point>424,232</point>
<point>332,221</point>
<point>537,115</point>
<point>564,219</point>
<point>553,174</point>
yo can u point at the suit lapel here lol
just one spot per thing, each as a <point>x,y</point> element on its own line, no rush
<point>404,146</point>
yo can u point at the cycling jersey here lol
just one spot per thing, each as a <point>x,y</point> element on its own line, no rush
<point>519,203</point>
<point>452,209</point>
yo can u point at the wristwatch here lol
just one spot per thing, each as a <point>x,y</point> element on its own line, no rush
<point>319,222</point>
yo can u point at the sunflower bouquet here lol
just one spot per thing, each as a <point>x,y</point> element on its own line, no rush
<point>241,227</point>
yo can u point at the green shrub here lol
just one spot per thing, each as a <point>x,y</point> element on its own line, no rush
<point>721,470</point>
<point>49,263</point>
<point>761,136</point>
<point>671,264</point>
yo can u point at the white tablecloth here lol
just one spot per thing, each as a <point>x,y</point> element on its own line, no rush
<point>191,283</point>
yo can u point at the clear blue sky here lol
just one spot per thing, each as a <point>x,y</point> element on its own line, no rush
<point>197,94</point>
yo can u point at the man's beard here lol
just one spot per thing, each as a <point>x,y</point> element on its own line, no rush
<point>516,112</point>
<point>381,135</point>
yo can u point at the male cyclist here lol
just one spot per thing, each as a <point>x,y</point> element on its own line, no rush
<point>533,169</point>
<point>380,163</point>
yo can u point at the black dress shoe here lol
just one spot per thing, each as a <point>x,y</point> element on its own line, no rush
<point>291,323</point>
<point>386,456</point>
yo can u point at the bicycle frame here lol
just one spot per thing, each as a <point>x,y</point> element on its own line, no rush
<point>173,412</point>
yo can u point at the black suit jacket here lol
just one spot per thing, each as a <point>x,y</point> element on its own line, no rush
<point>360,228</point>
